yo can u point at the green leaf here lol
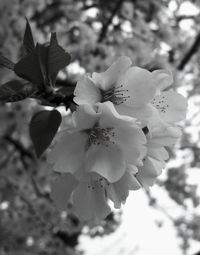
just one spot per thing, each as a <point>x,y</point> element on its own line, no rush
<point>29,68</point>
<point>57,58</point>
<point>5,62</point>
<point>43,128</point>
<point>15,90</point>
<point>28,42</point>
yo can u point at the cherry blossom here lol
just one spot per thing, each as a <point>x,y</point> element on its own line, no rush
<point>89,193</point>
<point>154,161</point>
<point>129,88</point>
<point>170,105</point>
<point>101,141</point>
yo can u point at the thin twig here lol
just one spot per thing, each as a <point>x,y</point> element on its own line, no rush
<point>23,151</point>
<point>193,49</point>
<point>109,21</point>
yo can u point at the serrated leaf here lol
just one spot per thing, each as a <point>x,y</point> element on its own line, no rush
<point>43,128</point>
<point>29,68</point>
<point>57,58</point>
<point>28,41</point>
<point>15,90</point>
<point>5,62</point>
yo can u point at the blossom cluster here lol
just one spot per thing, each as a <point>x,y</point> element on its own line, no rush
<point>117,139</point>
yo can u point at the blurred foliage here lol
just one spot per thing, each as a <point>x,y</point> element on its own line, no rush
<point>154,34</point>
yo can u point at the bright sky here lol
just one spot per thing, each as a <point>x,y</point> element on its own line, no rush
<point>138,233</point>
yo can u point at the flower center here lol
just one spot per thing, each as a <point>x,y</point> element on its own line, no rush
<point>116,95</point>
<point>99,136</point>
<point>99,182</point>
<point>160,103</point>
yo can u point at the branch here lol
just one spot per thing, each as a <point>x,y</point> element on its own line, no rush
<point>154,204</point>
<point>89,6</point>
<point>182,17</point>
<point>193,49</point>
<point>23,151</point>
<point>109,21</point>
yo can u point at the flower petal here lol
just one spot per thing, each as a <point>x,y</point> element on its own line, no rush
<point>140,85</point>
<point>86,92</point>
<point>159,153</point>
<point>163,79</point>
<point>61,190</point>
<point>171,106</point>
<point>165,136</point>
<point>118,191</point>
<point>90,202</point>
<point>140,113</point>
<point>130,138</point>
<point>69,152</point>
<point>106,161</point>
<point>85,117</point>
<point>107,79</point>
<point>110,117</point>
<point>147,174</point>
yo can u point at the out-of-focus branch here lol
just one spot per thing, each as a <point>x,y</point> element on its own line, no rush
<point>23,151</point>
<point>193,49</point>
<point>154,204</point>
<point>183,17</point>
<point>89,6</point>
<point>109,21</point>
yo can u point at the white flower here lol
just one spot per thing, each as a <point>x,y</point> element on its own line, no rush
<point>160,137</point>
<point>119,191</point>
<point>89,193</point>
<point>102,141</point>
<point>88,197</point>
<point>154,162</point>
<point>170,105</point>
<point>129,88</point>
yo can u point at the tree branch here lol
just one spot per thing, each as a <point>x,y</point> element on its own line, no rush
<point>193,49</point>
<point>109,21</point>
<point>23,151</point>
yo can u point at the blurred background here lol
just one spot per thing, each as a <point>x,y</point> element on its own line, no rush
<point>154,34</point>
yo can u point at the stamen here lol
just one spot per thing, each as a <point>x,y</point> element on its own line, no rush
<point>160,103</point>
<point>98,135</point>
<point>116,95</point>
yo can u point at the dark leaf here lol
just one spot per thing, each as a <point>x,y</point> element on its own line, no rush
<point>29,68</point>
<point>42,52</point>
<point>15,90</point>
<point>43,128</point>
<point>67,91</point>
<point>5,62</point>
<point>28,41</point>
<point>57,58</point>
